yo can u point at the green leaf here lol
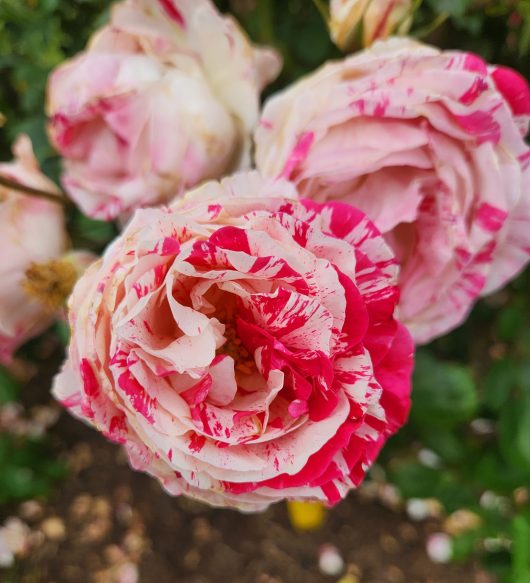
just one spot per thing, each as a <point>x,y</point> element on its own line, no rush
<point>62,330</point>
<point>444,393</point>
<point>9,387</point>
<point>514,429</point>
<point>445,442</point>
<point>499,382</point>
<point>415,480</point>
<point>464,545</point>
<point>26,468</point>
<point>91,233</point>
<point>510,322</point>
<point>521,550</point>
<point>456,8</point>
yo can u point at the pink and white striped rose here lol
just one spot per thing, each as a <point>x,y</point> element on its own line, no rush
<point>241,344</point>
<point>163,98</point>
<point>430,145</point>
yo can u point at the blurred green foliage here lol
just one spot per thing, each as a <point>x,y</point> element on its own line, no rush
<point>472,388</point>
<point>27,467</point>
<point>35,36</point>
<point>471,407</point>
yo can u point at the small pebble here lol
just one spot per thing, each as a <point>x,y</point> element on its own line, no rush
<point>31,510</point>
<point>127,573</point>
<point>417,509</point>
<point>394,574</point>
<point>53,528</point>
<point>113,554</point>
<point>408,532</point>
<point>483,426</point>
<point>461,521</point>
<point>80,507</point>
<point>430,459</point>
<point>6,555</point>
<point>494,545</point>
<point>330,561</point>
<point>521,496</point>
<point>492,501</point>
<point>192,559</point>
<point>390,497</point>
<point>440,547</point>
<point>14,541</point>
<point>124,513</point>
<point>389,544</point>
<point>16,534</point>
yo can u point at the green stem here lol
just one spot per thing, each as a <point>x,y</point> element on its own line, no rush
<point>427,30</point>
<point>323,9</point>
<point>265,16</point>
<point>36,192</point>
<point>265,12</point>
<point>521,553</point>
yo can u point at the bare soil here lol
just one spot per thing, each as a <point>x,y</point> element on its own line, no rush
<point>106,523</point>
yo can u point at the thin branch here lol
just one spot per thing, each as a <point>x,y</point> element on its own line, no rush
<point>431,27</point>
<point>36,192</point>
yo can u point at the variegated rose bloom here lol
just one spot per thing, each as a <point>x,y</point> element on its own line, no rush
<point>362,22</point>
<point>32,236</point>
<point>242,345</point>
<point>164,97</point>
<point>430,145</point>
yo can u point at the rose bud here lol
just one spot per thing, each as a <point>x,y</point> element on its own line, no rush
<point>362,22</point>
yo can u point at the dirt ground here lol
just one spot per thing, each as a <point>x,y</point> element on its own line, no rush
<point>106,523</point>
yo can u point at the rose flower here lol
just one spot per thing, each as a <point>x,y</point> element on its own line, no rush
<point>163,98</point>
<point>430,146</point>
<point>242,345</point>
<point>33,239</point>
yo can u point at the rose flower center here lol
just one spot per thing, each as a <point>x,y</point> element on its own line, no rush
<point>226,313</point>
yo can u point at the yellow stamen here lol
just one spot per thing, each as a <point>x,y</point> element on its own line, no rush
<point>50,283</point>
<point>244,361</point>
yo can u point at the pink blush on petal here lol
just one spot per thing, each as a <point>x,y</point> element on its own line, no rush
<point>482,125</point>
<point>479,86</point>
<point>297,408</point>
<point>196,442</point>
<point>169,246</point>
<point>90,382</point>
<point>299,153</point>
<point>491,218</point>
<point>139,399</point>
<point>172,11</point>
<point>514,88</point>
<point>475,64</point>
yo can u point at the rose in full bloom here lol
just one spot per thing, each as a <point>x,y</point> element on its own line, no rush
<point>430,146</point>
<point>241,344</point>
<point>32,234</point>
<point>164,97</point>
<point>365,21</point>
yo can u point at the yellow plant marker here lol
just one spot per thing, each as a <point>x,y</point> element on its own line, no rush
<point>306,515</point>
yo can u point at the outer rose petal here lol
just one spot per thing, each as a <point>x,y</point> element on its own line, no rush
<point>429,145</point>
<point>163,98</point>
<point>242,345</point>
